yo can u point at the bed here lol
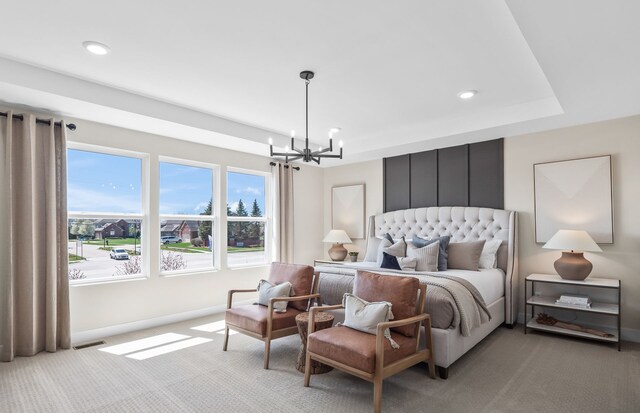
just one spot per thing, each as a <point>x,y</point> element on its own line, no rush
<point>497,287</point>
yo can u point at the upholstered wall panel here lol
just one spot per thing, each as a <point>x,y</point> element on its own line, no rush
<point>465,175</point>
<point>397,183</point>
<point>424,179</point>
<point>453,176</point>
<point>486,174</point>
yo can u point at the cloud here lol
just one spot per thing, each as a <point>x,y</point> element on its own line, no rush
<point>233,206</point>
<point>201,206</point>
<point>165,191</point>
<point>87,200</point>
<point>249,190</point>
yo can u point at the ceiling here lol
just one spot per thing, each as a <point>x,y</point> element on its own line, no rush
<point>388,73</point>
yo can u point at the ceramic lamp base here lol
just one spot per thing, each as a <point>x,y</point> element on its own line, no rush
<point>573,266</point>
<point>337,252</point>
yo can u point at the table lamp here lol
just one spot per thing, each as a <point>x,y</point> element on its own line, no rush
<point>572,265</point>
<point>337,237</point>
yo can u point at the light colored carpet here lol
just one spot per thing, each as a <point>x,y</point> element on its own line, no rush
<point>507,372</point>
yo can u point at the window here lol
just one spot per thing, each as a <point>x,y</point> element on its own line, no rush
<point>106,215</point>
<point>248,216</point>
<point>187,216</point>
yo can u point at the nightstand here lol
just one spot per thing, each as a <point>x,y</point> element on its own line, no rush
<point>607,306</point>
<point>323,261</point>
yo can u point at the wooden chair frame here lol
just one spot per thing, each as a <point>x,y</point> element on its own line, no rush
<point>381,371</point>
<point>271,334</point>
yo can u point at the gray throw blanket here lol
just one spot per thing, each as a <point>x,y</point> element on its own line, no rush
<point>451,301</point>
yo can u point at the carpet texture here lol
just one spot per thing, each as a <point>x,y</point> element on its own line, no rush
<point>506,372</point>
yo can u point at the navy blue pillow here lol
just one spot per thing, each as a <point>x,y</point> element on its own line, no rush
<point>390,262</point>
<point>443,253</point>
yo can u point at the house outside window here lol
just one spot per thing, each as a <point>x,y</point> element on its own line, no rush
<point>248,218</point>
<point>188,239</point>
<point>106,213</point>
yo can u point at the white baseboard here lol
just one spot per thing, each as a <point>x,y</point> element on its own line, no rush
<point>628,334</point>
<point>101,333</point>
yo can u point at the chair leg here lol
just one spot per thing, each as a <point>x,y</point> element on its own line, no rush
<point>307,369</point>
<point>432,368</point>
<point>267,348</point>
<point>226,339</point>
<point>377,393</point>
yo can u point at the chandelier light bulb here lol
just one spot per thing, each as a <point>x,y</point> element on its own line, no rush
<point>270,141</point>
<point>319,148</point>
<point>286,149</point>
<point>340,144</point>
<point>293,133</point>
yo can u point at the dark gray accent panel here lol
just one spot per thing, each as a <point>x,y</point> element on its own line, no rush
<point>486,174</point>
<point>453,176</point>
<point>424,179</point>
<point>397,180</point>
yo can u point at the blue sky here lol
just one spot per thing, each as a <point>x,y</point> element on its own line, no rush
<point>107,183</point>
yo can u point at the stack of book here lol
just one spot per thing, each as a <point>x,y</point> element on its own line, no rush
<point>575,300</point>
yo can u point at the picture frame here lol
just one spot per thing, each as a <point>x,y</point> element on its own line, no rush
<point>574,194</point>
<point>347,209</point>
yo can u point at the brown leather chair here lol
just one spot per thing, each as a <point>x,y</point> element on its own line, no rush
<point>369,356</point>
<point>261,322</point>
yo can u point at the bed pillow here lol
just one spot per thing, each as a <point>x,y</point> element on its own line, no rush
<point>489,256</point>
<point>267,291</point>
<point>406,263</point>
<point>444,248</point>
<point>364,316</point>
<point>389,262</point>
<point>426,257</point>
<point>371,255</point>
<point>465,255</point>
<point>399,249</point>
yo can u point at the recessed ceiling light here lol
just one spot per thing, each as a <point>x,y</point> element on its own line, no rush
<point>467,94</point>
<point>96,48</point>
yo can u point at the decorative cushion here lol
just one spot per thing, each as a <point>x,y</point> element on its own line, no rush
<point>406,263</point>
<point>364,316</point>
<point>397,249</point>
<point>390,262</point>
<point>357,349</point>
<point>389,237</point>
<point>254,318</point>
<point>426,257</point>
<point>300,277</point>
<point>489,256</point>
<point>444,248</point>
<point>371,254</point>
<point>267,291</point>
<point>400,291</point>
<point>465,255</point>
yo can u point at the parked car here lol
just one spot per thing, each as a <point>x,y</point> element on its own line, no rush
<point>119,254</point>
<point>168,239</point>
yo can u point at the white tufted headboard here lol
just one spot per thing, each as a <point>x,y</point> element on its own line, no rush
<point>461,224</point>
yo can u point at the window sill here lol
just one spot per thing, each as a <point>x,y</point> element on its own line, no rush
<point>244,267</point>
<point>101,281</point>
<point>188,272</point>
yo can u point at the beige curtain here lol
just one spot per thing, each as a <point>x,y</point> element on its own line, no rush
<point>34,284</point>
<point>283,217</point>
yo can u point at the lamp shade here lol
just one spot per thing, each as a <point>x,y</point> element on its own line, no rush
<point>337,236</point>
<point>573,240</point>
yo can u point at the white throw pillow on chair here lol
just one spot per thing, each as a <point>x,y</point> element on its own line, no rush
<point>267,291</point>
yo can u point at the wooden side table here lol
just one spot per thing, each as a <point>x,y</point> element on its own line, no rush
<point>321,320</point>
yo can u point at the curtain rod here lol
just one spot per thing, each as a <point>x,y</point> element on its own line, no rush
<point>297,168</point>
<point>71,126</point>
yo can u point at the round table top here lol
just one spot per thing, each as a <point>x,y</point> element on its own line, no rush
<point>318,318</point>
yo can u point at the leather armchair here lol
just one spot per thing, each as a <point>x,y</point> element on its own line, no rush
<point>262,322</point>
<point>369,356</point>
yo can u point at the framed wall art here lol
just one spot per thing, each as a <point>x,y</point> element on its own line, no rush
<point>347,210</point>
<point>574,194</point>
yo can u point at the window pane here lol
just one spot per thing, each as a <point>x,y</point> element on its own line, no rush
<point>245,195</point>
<point>185,190</point>
<point>104,248</point>
<point>245,243</point>
<point>185,245</point>
<point>98,182</point>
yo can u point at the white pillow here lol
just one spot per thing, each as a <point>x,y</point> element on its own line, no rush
<point>489,256</point>
<point>373,244</point>
<point>364,316</point>
<point>399,249</point>
<point>426,257</point>
<point>406,263</point>
<point>267,291</point>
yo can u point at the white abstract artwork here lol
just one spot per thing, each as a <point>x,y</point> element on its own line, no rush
<point>347,210</point>
<point>574,194</point>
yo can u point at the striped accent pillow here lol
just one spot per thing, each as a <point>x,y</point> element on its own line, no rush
<point>426,257</point>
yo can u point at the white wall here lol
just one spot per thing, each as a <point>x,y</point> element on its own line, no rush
<point>367,173</point>
<point>115,304</point>
<point>620,138</point>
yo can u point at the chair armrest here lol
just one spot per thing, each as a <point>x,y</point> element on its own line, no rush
<point>232,292</point>
<point>420,318</point>
<point>297,298</point>
<point>314,310</point>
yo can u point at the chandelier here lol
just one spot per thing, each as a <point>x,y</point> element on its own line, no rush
<point>306,154</point>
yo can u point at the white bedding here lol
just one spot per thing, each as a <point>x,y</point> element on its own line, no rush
<point>489,282</point>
